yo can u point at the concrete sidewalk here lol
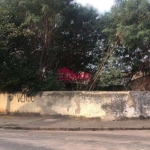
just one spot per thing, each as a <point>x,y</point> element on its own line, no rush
<point>71,124</point>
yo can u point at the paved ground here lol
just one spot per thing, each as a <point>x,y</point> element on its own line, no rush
<point>71,140</point>
<point>59,123</point>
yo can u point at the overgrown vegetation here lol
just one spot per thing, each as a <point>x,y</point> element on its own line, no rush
<point>38,37</point>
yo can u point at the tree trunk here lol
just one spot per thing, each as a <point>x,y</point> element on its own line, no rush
<point>101,67</point>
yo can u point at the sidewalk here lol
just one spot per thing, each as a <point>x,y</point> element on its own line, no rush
<point>69,124</point>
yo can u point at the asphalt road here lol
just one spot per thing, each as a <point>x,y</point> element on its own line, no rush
<point>74,140</point>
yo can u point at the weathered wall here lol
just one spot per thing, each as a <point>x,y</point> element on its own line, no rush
<point>104,105</point>
<point>3,103</point>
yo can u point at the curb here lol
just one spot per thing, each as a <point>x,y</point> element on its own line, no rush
<point>73,129</point>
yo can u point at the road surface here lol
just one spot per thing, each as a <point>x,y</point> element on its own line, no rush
<point>74,140</point>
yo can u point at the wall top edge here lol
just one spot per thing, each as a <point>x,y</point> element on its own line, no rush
<point>82,92</point>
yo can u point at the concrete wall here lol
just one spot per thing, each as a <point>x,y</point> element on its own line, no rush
<point>104,105</point>
<point>3,103</point>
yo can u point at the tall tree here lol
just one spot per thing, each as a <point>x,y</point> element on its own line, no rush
<point>38,37</point>
<point>134,32</point>
<point>129,21</point>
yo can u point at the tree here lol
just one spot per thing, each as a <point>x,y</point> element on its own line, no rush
<point>128,22</point>
<point>133,30</point>
<point>38,37</point>
<point>107,44</point>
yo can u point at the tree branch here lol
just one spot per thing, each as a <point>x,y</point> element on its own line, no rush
<point>101,66</point>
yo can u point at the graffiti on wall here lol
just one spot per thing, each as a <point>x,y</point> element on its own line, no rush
<point>24,98</point>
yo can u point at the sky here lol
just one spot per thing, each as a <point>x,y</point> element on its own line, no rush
<point>101,5</point>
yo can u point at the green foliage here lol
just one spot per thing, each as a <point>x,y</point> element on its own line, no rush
<point>129,21</point>
<point>38,37</point>
<point>111,77</point>
<point>52,84</point>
